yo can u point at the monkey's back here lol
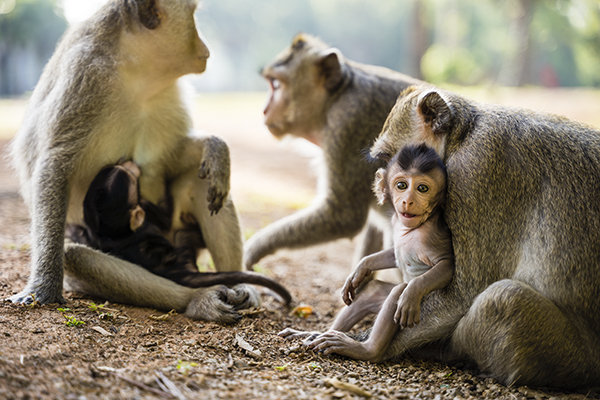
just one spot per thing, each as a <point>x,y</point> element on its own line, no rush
<point>523,204</point>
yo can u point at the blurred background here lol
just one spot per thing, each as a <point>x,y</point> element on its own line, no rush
<point>540,54</point>
<point>548,43</point>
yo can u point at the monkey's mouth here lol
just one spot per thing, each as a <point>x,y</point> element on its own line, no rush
<point>408,216</point>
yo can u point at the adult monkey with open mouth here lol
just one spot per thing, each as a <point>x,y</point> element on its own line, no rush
<point>110,92</point>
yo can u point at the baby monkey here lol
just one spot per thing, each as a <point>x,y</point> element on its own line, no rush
<point>121,223</point>
<point>415,182</point>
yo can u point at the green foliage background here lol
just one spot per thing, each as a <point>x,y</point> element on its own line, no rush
<point>466,42</point>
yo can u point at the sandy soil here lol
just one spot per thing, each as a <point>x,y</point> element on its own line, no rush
<point>123,352</point>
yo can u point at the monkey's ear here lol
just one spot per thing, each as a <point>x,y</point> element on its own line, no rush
<point>331,69</point>
<point>148,13</point>
<point>435,112</point>
<point>138,215</point>
<point>379,186</point>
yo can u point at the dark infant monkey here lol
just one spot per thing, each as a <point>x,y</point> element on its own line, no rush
<point>340,105</point>
<point>522,206</point>
<point>415,183</point>
<point>121,223</point>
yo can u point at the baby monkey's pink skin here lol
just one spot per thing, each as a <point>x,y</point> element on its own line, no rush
<point>422,251</point>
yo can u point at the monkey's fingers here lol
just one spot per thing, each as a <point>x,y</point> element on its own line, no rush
<point>215,200</point>
<point>348,293</point>
<point>400,316</point>
<point>204,170</point>
<point>289,333</point>
<point>210,304</point>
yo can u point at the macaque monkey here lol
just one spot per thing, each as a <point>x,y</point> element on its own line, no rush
<point>340,105</point>
<point>415,183</point>
<point>111,92</point>
<point>119,222</point>
<point>522,207</point>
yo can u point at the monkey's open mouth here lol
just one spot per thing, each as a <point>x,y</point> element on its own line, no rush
<point>407,215</point>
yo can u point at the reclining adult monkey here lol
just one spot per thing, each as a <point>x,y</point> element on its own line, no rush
<point>110,92</point>
<point>522,207</point>
<point>340,105</point>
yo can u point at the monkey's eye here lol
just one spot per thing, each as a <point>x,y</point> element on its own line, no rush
<point>275,84</point>
<point>423,188</point>
<point>401,185</point>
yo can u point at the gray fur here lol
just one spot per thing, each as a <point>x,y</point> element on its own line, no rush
<point>110,93</point>
<point>523,210</point>
<point>344,124</point>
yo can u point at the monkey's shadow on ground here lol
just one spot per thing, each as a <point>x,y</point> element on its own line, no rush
<point>89,349</point>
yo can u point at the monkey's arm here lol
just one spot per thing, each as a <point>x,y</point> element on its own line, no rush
<point>409,305</point>
<point>382,260</point>
<point>341,213</point>
<point>49,201</point>
<point>210,155</point>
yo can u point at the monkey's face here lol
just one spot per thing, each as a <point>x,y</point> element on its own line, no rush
<point>414,194</point>
<point>167,40</point>
<point>278,103</point>
<point>297,96</point>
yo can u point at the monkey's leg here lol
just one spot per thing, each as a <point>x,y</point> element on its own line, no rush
<point>368,301</point>
<point>100,275</point>
<point>379,338</point>
<point>221,231</point>
<point>520,336</point>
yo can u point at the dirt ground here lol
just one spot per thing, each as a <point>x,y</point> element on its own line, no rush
<point>89,349</point>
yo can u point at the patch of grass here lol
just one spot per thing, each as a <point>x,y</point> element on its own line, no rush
<point>71,320</point>
<point>185,367</point>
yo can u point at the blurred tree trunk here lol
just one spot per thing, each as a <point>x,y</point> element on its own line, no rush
<point>517,70</point>
<point>524,56</point>
<point>420,39</point>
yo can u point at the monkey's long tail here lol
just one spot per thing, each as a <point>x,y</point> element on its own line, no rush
<point>205,279</point>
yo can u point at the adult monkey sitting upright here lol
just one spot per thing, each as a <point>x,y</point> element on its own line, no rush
<point>339,105</point>
<point>522,206</point>
<point>110,92</point>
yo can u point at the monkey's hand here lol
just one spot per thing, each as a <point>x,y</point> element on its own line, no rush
<point>215,166</point>
<point>408,312</point>
<point>353,282</point>
<point>39,295</point>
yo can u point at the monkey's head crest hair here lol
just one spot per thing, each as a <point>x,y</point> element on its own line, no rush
<point>418,156</point>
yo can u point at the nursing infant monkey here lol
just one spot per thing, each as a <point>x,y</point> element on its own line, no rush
<point>415,183</point>
<point>121,223</point>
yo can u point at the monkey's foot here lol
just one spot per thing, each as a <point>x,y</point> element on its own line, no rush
<point>335,342</point>
<point>219,303</point>
<point>289,333</point>
<point>39,295</point>
<point>211,305</point>
<point>244,296</point>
